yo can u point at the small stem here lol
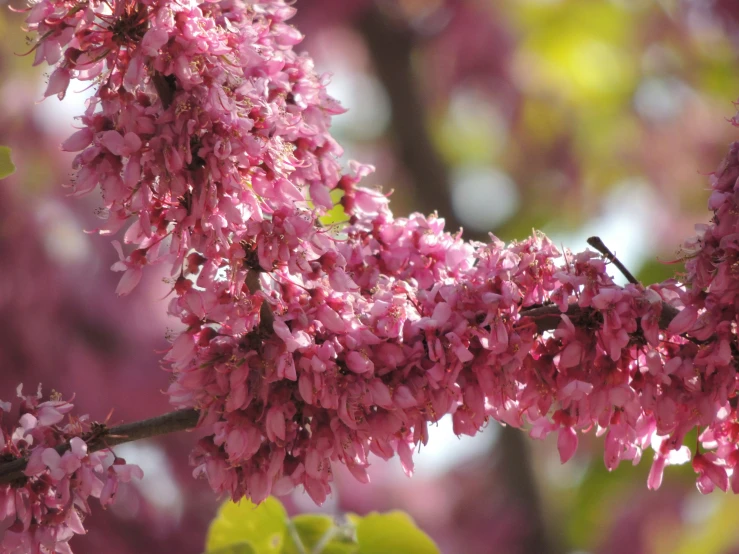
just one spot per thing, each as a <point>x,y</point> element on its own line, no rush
<point>600,246</point>
<point>179,420</point>
<point>296,537</point>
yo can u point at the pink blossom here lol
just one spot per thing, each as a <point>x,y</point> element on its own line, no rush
<point>43,511</point>
<point>566,443</point>
<point>304,346</point>
<point>710,474</point>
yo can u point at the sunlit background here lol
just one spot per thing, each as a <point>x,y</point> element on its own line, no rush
<point>576,117</point>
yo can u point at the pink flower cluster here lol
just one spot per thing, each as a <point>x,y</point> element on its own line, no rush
<point>204,124</point>
<point>41,511</point>
<point>710,320</point>
<point>306,345</point>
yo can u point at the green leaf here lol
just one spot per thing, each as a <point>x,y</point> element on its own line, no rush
<point>392,533</point>
<point>340,547</point>
<point>312,530</point>
<point>6,164</point>
<point>240,548</point>
<point>261,527</point>
<point>337,215</point>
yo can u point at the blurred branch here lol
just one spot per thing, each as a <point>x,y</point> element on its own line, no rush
<point>515,471</point>
<point>391,45</point>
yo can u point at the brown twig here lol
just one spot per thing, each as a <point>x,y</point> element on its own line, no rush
<point>600,246</point>
<point>548,317</point>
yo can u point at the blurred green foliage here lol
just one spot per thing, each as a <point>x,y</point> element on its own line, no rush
<point>244,528</point>
<point>608,91</point>
<point>6,164</point>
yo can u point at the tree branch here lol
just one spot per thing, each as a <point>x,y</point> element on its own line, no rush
<point>510,450</point>
<point>179,420</point>
<point>546,318</point>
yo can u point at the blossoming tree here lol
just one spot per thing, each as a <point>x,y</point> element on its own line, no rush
<point>308,343</point>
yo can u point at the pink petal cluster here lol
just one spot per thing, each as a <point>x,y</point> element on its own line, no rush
<point>306,345</point>
<point>204,124</point>
<point>42,511</point>
<point>711,298</point>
